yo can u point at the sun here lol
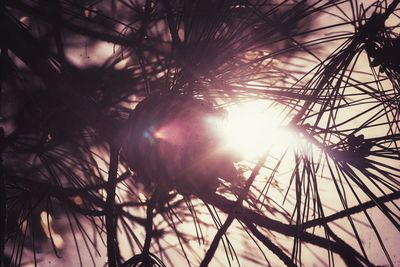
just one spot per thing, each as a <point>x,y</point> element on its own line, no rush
<point>254,127</point>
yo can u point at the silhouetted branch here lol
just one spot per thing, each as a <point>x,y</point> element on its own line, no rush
<point>221,231</point>
<point>270,245</point>
<point>129,41</point>
<point>151,204</point>
<point>350,211</point>
<point>111,218</point>
<point>391,8</point>
<point>248,216</point>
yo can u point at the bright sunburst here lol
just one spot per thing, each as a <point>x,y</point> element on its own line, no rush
<point>253,127</point>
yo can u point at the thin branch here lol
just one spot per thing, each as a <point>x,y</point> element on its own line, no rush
<point>391,8</point>
<point>129,41</point>
<point>350,211</point>
<point>110,206</point>
<point>221,231</point>
<point>172,24</point>
<point>149,226</point>
<point>270,245</point>
<point>59,191</point>
<point>248,216</point>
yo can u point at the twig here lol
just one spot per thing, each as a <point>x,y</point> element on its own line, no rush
<point>130,41</point>
<point>348,257</point>
<point>149,227</point>
<point>110,206</point>
<point>391,8</point>
<point>214,245</point>
<point>172,24</point>
<point>59,191</point>
<point>270,245</point>
<point>350,211</point>
<point>248,216</point>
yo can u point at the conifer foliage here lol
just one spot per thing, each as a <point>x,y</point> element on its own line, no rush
<point>111,155</point>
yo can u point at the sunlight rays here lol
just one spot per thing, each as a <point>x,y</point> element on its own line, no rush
<point>253,127</point>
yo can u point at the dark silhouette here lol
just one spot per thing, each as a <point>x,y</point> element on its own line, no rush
<point>88,179</point>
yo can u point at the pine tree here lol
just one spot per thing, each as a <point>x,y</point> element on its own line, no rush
<point>106,156</point>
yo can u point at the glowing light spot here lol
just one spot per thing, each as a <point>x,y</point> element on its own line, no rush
<point>148,136</point>
<point>159,134</point>
<point>172,132</point>
<point>46,222</point>
<point>252,128</point>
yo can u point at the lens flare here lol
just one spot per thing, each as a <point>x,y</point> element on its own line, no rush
<point>254,127</point>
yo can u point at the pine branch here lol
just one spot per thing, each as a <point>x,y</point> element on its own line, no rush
<point>248,216</point>
<point>270,245</point>
<point>111,219</point>
<point>221,231</point>
<point>350,211</point>
<point>151,204</point>
<point>129,41</point>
